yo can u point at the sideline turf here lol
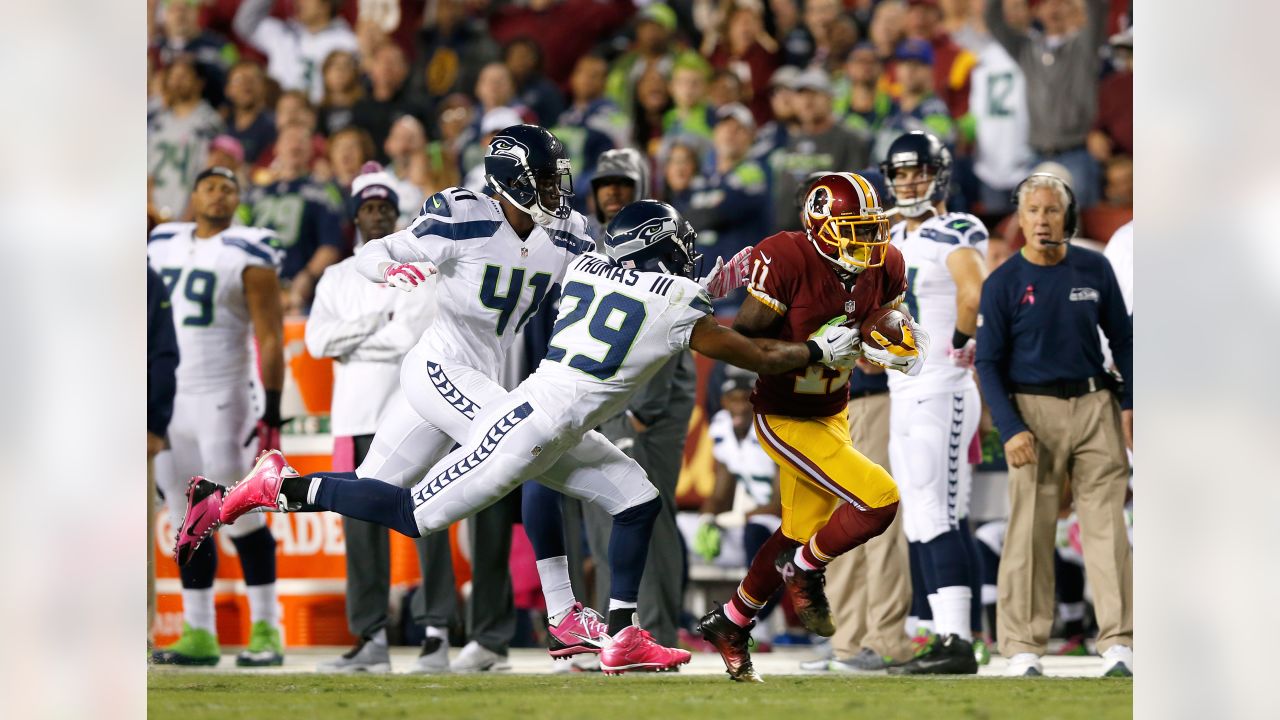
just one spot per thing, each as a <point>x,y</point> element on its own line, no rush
<point>193,695</point>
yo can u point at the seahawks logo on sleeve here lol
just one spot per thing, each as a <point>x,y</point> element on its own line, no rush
<point>954,229</point>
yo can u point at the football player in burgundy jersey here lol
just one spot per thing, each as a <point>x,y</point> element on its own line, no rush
<point>833,498</point>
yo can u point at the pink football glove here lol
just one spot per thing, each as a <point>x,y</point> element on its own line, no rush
<point>963,357</point>
<point>408,276</point>
<point>728,276</point>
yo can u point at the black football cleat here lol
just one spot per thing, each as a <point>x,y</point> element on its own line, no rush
<point>807,589</point>
<point>951,655</point>
<point>730,641</point>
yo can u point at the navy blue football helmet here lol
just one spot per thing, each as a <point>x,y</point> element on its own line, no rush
<point>529,167</point>
<point>653,236</point>
<point>919,149</point>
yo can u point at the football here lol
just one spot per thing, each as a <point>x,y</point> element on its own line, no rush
<point>883,327</point>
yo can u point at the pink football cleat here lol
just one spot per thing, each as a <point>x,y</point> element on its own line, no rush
<point>259,489</point>
<point>204,507</point>
<point>580,631</point>
<point>635,649</point>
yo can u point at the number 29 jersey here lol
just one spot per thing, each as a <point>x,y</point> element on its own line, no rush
<point>931,294</point>
<point>616,327</point>
<point>205,281</point>
<point>789,277</point>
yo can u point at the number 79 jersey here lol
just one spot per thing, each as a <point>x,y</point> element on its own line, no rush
<point>615,329</point>
<point>205,281</point>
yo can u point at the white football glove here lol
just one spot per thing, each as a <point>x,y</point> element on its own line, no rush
<point>839,346</point>
<point>408,276</point>
<point>963,357</point>
<point>902,359</point>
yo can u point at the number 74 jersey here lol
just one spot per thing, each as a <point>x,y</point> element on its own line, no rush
<point>205,281</point>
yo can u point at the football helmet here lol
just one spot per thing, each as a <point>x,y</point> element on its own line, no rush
<point>843,219</point>
<point>653,236</point>
<point>919,149</point>
<point>621,164</point>
<point>529,167</point>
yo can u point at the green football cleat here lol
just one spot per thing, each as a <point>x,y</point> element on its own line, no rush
<point>194,647</point>
<point>265,649</point>
<point>981,652</point>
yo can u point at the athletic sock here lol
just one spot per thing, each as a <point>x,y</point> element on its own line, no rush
<point>556,587</point>
<point>622,614</point>
<point>263,605</point>
<point>374,501</point>
<point>810,558</point>
<point>951,611</point>
<point>933,621</point>
<point>197,609</point>
<point>761,582</point>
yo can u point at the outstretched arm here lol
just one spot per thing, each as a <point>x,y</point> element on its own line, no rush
<point>764,356</point>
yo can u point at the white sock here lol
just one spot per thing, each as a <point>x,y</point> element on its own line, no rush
<point>616,604</point>
<point>262,604</point>
<point>990,593</point>
<point>926,625</point>
<point>556,588</point>
<point>933,607</point>
<point>312,490</point>
<point>913,624</point>
<point>951,611</point>
<point>379,638</point>
<point>802,563</point>
<point>197,609</point>
<point>437,632</point>
<point>1071,611</point>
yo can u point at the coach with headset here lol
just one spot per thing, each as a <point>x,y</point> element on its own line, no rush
<point>1040,365</point>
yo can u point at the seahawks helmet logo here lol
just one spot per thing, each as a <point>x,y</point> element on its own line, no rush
<point>503,146</point>
<point>655,230</point>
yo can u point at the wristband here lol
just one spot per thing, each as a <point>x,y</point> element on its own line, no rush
<point>815,352</point>
<point>271,414</point>
<point>958,339</point>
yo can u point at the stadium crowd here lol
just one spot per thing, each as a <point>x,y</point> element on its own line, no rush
<point>732,105</point>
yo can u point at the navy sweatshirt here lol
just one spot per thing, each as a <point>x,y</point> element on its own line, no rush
<point>1039,325</point>
<point>162,356</point>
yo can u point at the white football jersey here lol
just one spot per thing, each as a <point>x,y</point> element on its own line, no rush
<point>615,329</point>
<point>931,295</point>
<point>998,102</point>
<point>490,283</point>
<point>745,460</point>
<point>205,280</point>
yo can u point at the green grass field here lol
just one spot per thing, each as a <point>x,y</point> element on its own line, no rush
<point>193,696</point>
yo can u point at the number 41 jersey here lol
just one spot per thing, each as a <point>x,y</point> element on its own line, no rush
<point>615,329</point>
<point>205,281</point>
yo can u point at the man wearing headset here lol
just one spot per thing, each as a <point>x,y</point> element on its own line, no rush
<point>1040,366</point>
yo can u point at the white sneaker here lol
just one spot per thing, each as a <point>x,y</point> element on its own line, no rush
<point>580,663</point>
<point>1024,665</point>
<point>1117,661</point>
<point>434,658</point>
<point>366,656</point>
<point>477,658</point>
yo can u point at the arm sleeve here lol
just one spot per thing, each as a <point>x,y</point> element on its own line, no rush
<point>1012,40</point>
<point>328,332</point>
<point>1117,323</point>
<point>994,323</point>
<point>248,23</point>
<point>162,356</point>
<point>429,239</point>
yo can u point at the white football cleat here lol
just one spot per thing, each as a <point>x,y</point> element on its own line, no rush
<point>1117,661</point>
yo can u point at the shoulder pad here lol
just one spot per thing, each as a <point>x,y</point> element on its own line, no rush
<point>164,231</point>
<point>955,228</point>
<point>255,242</point>
<point>571,234</point>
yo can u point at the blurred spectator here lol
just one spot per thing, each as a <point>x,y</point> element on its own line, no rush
<point>451,48</point>
<point>523,58</point>
<point>296,48</point>
<point>248,118</point>
<point>819,143</point>
<point>389,95</point>
<point>744,47</point>
<point>680,165</point>
<point>888,27</point>
<point>1061,67</point>
<point>492,122</point>
<point>292,108</point>
<point>565,29</point>
<point>858,100</point>
<point>652,101</point>
<point>917,107</point>
<point>342,90</point>
<point>406,150</point>
<point>729,205</point>
<point>495,88</point>
<point>1119,176</point>
<point>444,155</point>
<point>690,114</point>
<point>820,19</point>
<point>155,89</point>
<point>590,108</point>
<point>181,34</point>
<point>349,149</point>
<point>622,177</point>
<point>304,214</point>
<point>951,63</point>
<point>225,151</point>
<point>795,43</point>
<point>782,105</point>
<point>725,88</point>
<point>653,47</point>
<point>1113,128</point>
<point>178,140</point>
<point>999,120</point>
<point>962,20</point>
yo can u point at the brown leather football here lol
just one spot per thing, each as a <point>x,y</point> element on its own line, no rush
<point>883,327</point>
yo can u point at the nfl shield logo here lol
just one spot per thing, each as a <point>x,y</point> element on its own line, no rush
<point>848,307</point>
<point>524,252</point>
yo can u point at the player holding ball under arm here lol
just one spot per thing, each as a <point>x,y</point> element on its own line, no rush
<point>1039,360</point>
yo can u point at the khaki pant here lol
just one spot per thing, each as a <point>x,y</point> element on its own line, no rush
<point>870,586</point>
<point>1080,438</point>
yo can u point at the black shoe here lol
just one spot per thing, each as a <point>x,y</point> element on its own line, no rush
<point>946,656</point>
<point>807,589</point>
<point>731,642</point>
